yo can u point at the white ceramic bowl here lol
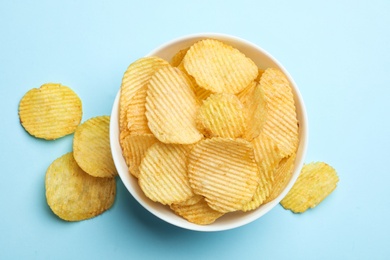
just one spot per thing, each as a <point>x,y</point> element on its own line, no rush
<point>231,220</point>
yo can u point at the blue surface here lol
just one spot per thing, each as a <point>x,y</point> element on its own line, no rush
<point>337,52</point>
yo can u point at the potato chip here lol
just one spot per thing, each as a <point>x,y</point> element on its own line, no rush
<point>281,175</point>
<point>171,107</point>
<point>219,67</point>
<point>74,195</point>
<point>255,109</point>
<point>221,115</point>
<point>224,171</point>
<point>281,123</point>
<point>134,149</point>
<point>163,173</point>
<point>200,92</point>
<point>316,181</point>
<point>51,111</point>
<point>137,122</point>
<point>267,157</point>
<point>91,147</point>
<point>198,213</point>
<point>178,57</point>
<point>136,76</point>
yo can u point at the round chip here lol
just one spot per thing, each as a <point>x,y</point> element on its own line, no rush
<point>315,182</point>
<point>255,110</point>
<point>224,171</point>
<point>221,115</point>
<point>267,157</point>
<point>281,123</point>
<point>281,176</point>
<point>74,195</point>
<point>135,114</point>
<point>219,67</point>
<point>163,173</point>
<point>91,147</point>
<point>50,112</point>
<point>136,76</point>
<point>134,149</point>
<point>198,213</point>
<point>171,107</point>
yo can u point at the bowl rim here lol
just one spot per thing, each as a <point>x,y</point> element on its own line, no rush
<point>254,215</point>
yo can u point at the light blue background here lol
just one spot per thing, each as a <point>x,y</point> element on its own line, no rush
<point>337,52</point>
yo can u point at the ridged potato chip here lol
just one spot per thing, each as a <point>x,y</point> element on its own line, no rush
<point>171,107</point>
<point>178,57</point>
<point>134,149</point>
<point>137,122</point>
<point>254,104</point>
<point>74,195</point>
<point>267,157</point>
<point>316,181</point>
<point>224,171</point>
<point>163,173</point>
<point>199,213</point>
<point>136,76</point>
<point>219,67</point>
<point>91,147</point>
<point>281,123</point>
<point>281,175</point>
<point>221,115</point>
<point>51,111</point>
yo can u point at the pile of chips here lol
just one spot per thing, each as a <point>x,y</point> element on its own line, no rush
<point>209,132</point>
<point>80,184</point>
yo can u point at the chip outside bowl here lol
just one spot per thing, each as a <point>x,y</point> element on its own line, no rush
<point>231,220</point>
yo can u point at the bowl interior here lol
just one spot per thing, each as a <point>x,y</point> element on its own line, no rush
<point>232,220</point>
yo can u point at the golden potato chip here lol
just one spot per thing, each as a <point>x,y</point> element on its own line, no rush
<point>178,57</point>
<point>74,195</point>
<point>163,173</point>
<point>134,149</point>
<point>221,115</point>
<point>136,76</point>
<point>171,107</point>
<point>51,111</point>
<point>200,92</point>
<point>267,157</point>
<point>281,175</point>
<point>198,213</point>
<point>224,171</point>
<point>219,67</point>
<point>281,123</point>
<point>255,109</point>
<point>137,122</point>
<point>316,181</point>
<point>91,147</point>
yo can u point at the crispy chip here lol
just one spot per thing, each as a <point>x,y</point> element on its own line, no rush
<point>281,175</point>
<point>316,181</point>
<point>178,57</point>
<point>137,122</point>
<point>252,98</point>
<point>199,213</point>
<point>219,67</point>
<point>221,115</point>
<point>50,112</point>
<point>74,195</point>
<point>224,171</point>
<point>163,173</point>
<point>171,107</point>
<point>267,157</point>
<point>281,123</point>
<point>134,149</point>
<point>200,92</point>
<point>136,76</point>
<point>91,147</point>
